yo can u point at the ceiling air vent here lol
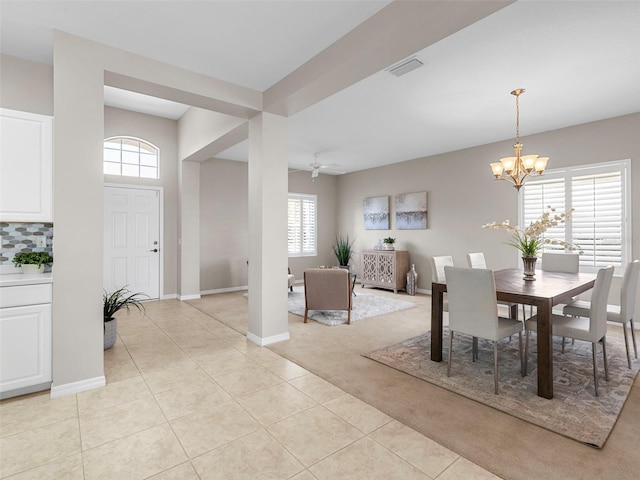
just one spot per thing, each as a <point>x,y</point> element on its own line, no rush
<point>405,67</point>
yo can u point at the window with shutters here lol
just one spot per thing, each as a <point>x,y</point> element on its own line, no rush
<point>302,225</point>
<point>130,157</point>
<point>600,224</point>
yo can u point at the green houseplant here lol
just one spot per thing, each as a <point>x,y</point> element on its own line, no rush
<point>388,243</point>
<point>114,302</point>
<point>32,262</point>
<point>343,250</point>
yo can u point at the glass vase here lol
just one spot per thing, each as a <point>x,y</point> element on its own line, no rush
<point>529,268</point>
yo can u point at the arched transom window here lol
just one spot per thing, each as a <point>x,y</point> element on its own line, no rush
<point>130,157</point>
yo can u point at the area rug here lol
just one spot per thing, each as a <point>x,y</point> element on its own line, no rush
<point>574,411</point>
<point>364,305</point>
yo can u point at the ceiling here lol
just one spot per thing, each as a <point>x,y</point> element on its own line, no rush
<point>577,60</point>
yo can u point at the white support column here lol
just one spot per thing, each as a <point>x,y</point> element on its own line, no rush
<point>189,248</point>
<point>268,184</point>
<point>77,348</point>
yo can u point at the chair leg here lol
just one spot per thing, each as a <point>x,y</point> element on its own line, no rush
<point>348,317</point>
<point>604,355</point>
<point>520,350</point>
<point>526,352</point>
<point>306,310</point>
<point>626,344</point>
<point>449,355</point>
<point>633,336</point>
<point>562,344</point>
<point>474,349</point>
<point>495,367</point>
<point>595,367</point>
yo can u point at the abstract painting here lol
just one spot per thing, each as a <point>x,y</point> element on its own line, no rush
<point>376,213</point>
<point>411,211</point>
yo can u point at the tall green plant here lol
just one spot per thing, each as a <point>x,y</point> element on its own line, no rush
<point>343,249</point>
<point>121,298</point>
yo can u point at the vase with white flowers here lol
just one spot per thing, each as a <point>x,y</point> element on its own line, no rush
<point>530,241</point>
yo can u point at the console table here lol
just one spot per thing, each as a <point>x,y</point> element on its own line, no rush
<point>385,269</point>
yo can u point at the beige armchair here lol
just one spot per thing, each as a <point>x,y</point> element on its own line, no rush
<point>327,289</point>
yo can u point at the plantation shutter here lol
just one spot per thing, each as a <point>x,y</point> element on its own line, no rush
<point>600,225</point>
<point>294,226</point>
<point>538,196</point>
<point>302,234</point>
<point>597,221</point>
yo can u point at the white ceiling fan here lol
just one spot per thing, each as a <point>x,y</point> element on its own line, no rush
<point>315,167</point>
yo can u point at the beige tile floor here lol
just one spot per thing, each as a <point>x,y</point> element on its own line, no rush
<point>189,398</point>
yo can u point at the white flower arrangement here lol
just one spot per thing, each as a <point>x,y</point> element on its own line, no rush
<point>528,241</point>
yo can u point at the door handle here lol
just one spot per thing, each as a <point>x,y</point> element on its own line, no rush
<point>155,250</point>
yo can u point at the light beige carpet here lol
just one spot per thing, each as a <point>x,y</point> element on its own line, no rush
<point>574,411</point>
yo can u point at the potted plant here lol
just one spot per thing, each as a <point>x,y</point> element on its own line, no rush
<point>343,250</point>
<point>112,303</point>
<point>388,243</point>
<point>32,262</point>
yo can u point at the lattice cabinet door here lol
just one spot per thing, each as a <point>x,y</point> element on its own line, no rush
<point>387,269</point>
<point>369,267</point>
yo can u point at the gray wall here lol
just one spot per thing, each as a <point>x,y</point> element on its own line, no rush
<point>25,85</point>
<point>224,223</point>
<point>462,194</point>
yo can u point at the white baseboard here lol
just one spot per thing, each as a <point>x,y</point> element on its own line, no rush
<point>169,296</point>
<point>268,340</point>
<point>182,298</point>
<point>224,290</point>
<point>77,387</point>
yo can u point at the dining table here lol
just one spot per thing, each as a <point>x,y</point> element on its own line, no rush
<point>547,290</point>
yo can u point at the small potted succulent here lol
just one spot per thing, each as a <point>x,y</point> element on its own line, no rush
<point>112,303</point>
<point>32,262</point>
<point>388,243</point>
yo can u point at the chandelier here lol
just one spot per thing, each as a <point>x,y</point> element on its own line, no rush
<point>517,169</point>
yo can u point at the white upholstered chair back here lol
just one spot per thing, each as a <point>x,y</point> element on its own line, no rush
<point>476,260</point>
<point>472,302</point>
<point>628,291</point>
<point>561,262</point>
<point>598,311</point>
<point>437,267</point>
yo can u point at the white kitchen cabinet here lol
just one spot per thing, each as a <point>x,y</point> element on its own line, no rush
<point>25,339</point>
<point>26,167</point>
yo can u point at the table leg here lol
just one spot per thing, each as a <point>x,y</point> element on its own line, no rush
<point>437,293</point>
<point>545,350</point>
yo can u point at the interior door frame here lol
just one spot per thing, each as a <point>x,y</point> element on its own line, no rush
<point>160,191</point>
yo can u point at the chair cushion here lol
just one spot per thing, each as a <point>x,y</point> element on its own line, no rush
<point>572,327</point>
<point>578,308</point>
<point>581,308</point>
<point>508,327</point>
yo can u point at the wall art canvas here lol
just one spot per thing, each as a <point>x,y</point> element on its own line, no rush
<point>376,213</point>
<point>411,211</point>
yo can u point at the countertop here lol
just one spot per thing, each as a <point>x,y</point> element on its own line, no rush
<point>14,279</point>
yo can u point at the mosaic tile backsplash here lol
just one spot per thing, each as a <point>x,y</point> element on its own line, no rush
<point>24,237</point>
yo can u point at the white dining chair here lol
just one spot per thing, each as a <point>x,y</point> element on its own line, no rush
<point>437,274</point>
<point>560,262</point>
<point>622,313</point>
<point>589,329</point>
<point>477,260</point>
<point>473,311</point>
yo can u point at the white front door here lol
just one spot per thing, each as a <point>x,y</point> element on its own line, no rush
<point>132,240</point>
